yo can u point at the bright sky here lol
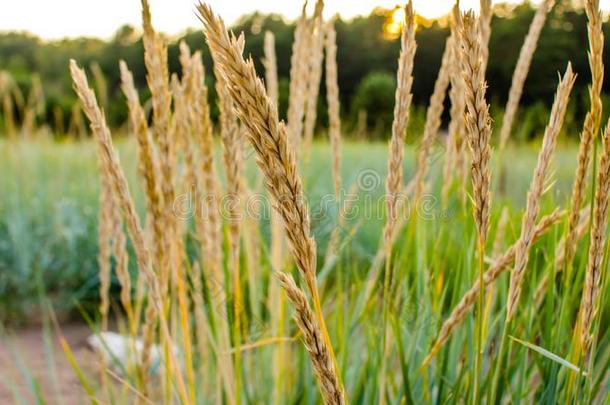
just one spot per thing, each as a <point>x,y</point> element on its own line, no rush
<point>53,19</point>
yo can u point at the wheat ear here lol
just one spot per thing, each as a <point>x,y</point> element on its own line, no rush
<point>119,251</point>
<point>522,69</point>
<point>298,83</point>
<point>147,166</point>
<point>454,157</point>
<point>313,340</point>
<point>157,76</point>
<point>589,305</point>
<point>233,163</point>
<point>478,123</point>
<point>484,24</point>
<point>592,121</point>
<point>402,106</point>
<point>100,83</point>
<point>209,222</point>
<point>270,63</point>
<point>332,98</point>
<point>478,134</point>
<point>276,296</point>
<point>316,55</point>
<point>121,190</point>
<point>111,159</point>
<point>459,312</point>
<point>275,158</point>
<point>267,135</point>
<point>537,188</point>
<point>147,169</point>
<point>433,119</point>
<point>394,179</point>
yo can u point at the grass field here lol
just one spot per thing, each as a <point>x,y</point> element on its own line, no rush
<point>48,221</point>
<point>470,270</point>
<point>48,211</point>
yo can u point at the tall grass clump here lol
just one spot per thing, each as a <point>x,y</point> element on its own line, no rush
<point>399,289</point>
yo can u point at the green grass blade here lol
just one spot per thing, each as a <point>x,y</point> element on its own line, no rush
<point>549,355</point>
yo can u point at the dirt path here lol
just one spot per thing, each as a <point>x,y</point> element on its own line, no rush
<point>25,362</point>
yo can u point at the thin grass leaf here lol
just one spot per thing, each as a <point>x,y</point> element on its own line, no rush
<point>548,355</point>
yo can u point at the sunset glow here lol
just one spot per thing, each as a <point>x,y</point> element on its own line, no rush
<point>393,25</point>
<point>100,19</point>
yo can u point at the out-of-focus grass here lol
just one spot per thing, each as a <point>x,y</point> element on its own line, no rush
<point>48,215</point>
<point>49,202</point>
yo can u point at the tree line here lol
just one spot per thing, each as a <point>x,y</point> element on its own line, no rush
<point>366,57</point>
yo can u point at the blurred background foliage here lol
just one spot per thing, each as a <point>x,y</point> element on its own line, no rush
<point>367,55</point>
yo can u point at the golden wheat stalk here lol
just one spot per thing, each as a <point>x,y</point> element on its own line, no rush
<point>233,163</point>
<point>111,159</point>
<point>121,190</point>
<point>332,98</point>
<point>270,63</point>
<point>147,169</point>
<point>394,179</point>
<point>277,162</point>
<point>454,157</point>
<point>101,85</point>
<point>591,124</point>
<point>478,123</point>
<point>459,312</point>
<point>179,129</point>
<point>522,69</point>
<point>298,83</point>
<point>316,55</point>
<point>104,231</point>
<point>478,133</point>
<point>537,188</point>
<point>179,124</point>
<point>589,305</point>
<point>484,25</point>
<point>276,297</point>
<point>402,106</point>
<point>323,366</point>
<point>157,76</point>
<point>190,176</point>
<point>433,119</point>
<point>275,158</point>
<point>155,59</point>
<point>147,165</point>
<point>209,223</point>
<point>119,251</point>
<point>232,156</point>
